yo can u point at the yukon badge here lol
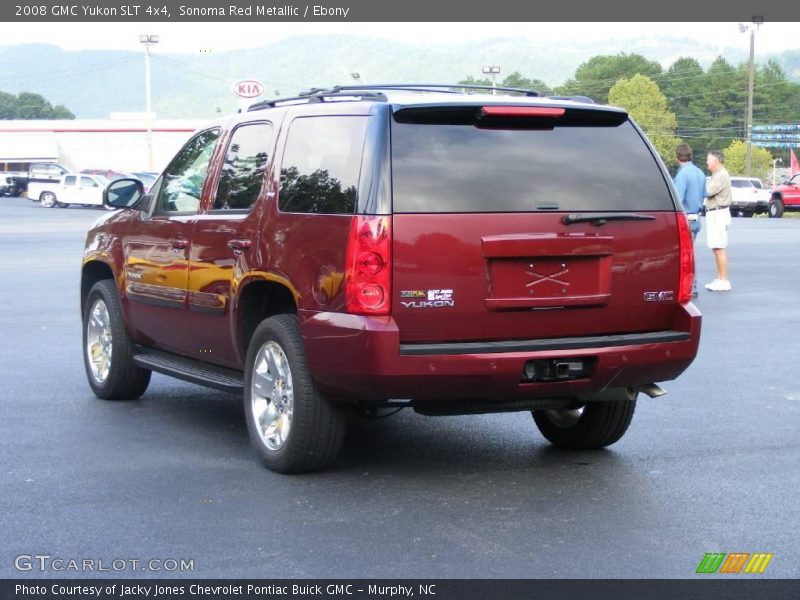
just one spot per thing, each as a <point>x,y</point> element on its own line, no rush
<point>427,298</point>
<point>663,296</point>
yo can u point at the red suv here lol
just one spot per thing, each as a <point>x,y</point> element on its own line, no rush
<point>785,196</point>
<point>390,246</point>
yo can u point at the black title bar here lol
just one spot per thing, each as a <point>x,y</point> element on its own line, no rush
<point>407,10</point>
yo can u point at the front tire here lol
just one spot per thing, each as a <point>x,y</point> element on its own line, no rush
<point>776,208</point>
<point>602,420</point>
<point>107,348</point>
<point>292,426</point>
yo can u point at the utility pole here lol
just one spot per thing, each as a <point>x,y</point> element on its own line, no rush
<point>750,76</point>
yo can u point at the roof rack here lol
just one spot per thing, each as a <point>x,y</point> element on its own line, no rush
<point>373,92</point>
<point>447,88</point>
<point>315,95</point>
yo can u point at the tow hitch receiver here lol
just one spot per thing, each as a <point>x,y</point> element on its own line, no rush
<point>556,369</point>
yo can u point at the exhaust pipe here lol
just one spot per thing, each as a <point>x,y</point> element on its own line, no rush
<point>652,390</point>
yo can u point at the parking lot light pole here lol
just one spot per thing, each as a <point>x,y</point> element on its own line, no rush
<point>147,40</point>
<point>493,71</point>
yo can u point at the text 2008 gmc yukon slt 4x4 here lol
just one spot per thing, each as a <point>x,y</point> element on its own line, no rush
<point>399,245</point>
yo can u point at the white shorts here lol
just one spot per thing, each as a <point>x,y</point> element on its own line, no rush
<point>717,222</point>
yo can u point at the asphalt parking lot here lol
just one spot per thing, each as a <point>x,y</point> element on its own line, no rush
<point>710,467</point>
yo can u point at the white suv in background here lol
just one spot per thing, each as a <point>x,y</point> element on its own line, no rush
<point>749,196</point>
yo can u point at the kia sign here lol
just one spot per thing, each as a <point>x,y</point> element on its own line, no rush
<point>248,88</point>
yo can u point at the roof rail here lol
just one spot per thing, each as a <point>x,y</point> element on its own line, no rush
<point>447,88</point>
<point>315,95</point>
<point>584,99</point>
<point>373,92</point>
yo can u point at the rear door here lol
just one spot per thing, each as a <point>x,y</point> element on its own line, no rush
<point>508,227</point>
<point>225,241</point>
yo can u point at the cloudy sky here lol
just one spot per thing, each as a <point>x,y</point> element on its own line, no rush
<point>192,37</point>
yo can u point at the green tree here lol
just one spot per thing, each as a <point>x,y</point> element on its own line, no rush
<point>597,76</point>
<point>645,103</point>
<point>27,105</point>
<point>514,80</point>
<point>735,159</point>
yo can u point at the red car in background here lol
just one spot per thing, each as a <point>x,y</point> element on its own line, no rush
<point>785,197</point>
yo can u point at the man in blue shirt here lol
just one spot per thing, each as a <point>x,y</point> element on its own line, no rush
<point>690,183</point>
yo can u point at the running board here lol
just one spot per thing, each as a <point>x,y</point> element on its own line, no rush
<point>187,369</point>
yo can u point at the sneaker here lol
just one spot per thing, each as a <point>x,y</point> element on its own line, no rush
<point>719,285</point>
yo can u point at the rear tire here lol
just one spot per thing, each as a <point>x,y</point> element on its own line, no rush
<point>776,208</point>
<point>48,200</point>
<point>107,348</point>
<point>602,420</point>
<point>292,426</point>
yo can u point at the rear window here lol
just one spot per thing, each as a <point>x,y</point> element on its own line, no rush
<point>442,168</point>
<point>321,165</point>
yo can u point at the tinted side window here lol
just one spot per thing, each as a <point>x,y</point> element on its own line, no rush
<point>321,164</point>
<point>88,182</point>
<point>243,168</point>
<point>183,180</point>
<point>69,180</point>
<point>461,168</point>
<point>738,183</point>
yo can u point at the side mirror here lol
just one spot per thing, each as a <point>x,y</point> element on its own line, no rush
<point>123,193</point>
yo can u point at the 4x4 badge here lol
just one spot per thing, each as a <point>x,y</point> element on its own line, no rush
<point>428,298</point>
<point>553,277</point>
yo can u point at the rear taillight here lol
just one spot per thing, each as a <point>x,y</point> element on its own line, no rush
<point>368,279</point>
<point>686,250</point>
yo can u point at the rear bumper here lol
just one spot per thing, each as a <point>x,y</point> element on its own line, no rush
<point>361,359</point>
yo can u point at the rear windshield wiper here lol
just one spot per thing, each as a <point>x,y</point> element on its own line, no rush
<point>603,218</point>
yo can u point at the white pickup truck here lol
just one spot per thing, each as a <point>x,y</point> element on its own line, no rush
<point>76,188</point>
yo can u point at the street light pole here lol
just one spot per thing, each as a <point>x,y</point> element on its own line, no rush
<point>148,40</point>
<point>493,71</point>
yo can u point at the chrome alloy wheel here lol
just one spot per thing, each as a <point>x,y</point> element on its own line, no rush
<point>98,341</point>
<point>565,418</point>
<point>272,395</point>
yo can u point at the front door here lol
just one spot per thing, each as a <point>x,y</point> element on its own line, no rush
<point>156,248</point>
<point>224,242</point>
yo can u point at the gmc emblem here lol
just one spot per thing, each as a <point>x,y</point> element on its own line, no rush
<point>664,296</point>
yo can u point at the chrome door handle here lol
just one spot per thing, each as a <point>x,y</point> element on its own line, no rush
<point>239,246</point>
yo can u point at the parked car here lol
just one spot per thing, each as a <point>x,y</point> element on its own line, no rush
<point>749,196</point>
<point>11,183</point>
<point>41,177</point>
<point>86,190</point>
<point>109,174</point>
<point>785,197</point>
<point>147,178</point>
<point>365,248</point>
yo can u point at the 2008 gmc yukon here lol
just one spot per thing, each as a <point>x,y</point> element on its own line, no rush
<point>362,247</point>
